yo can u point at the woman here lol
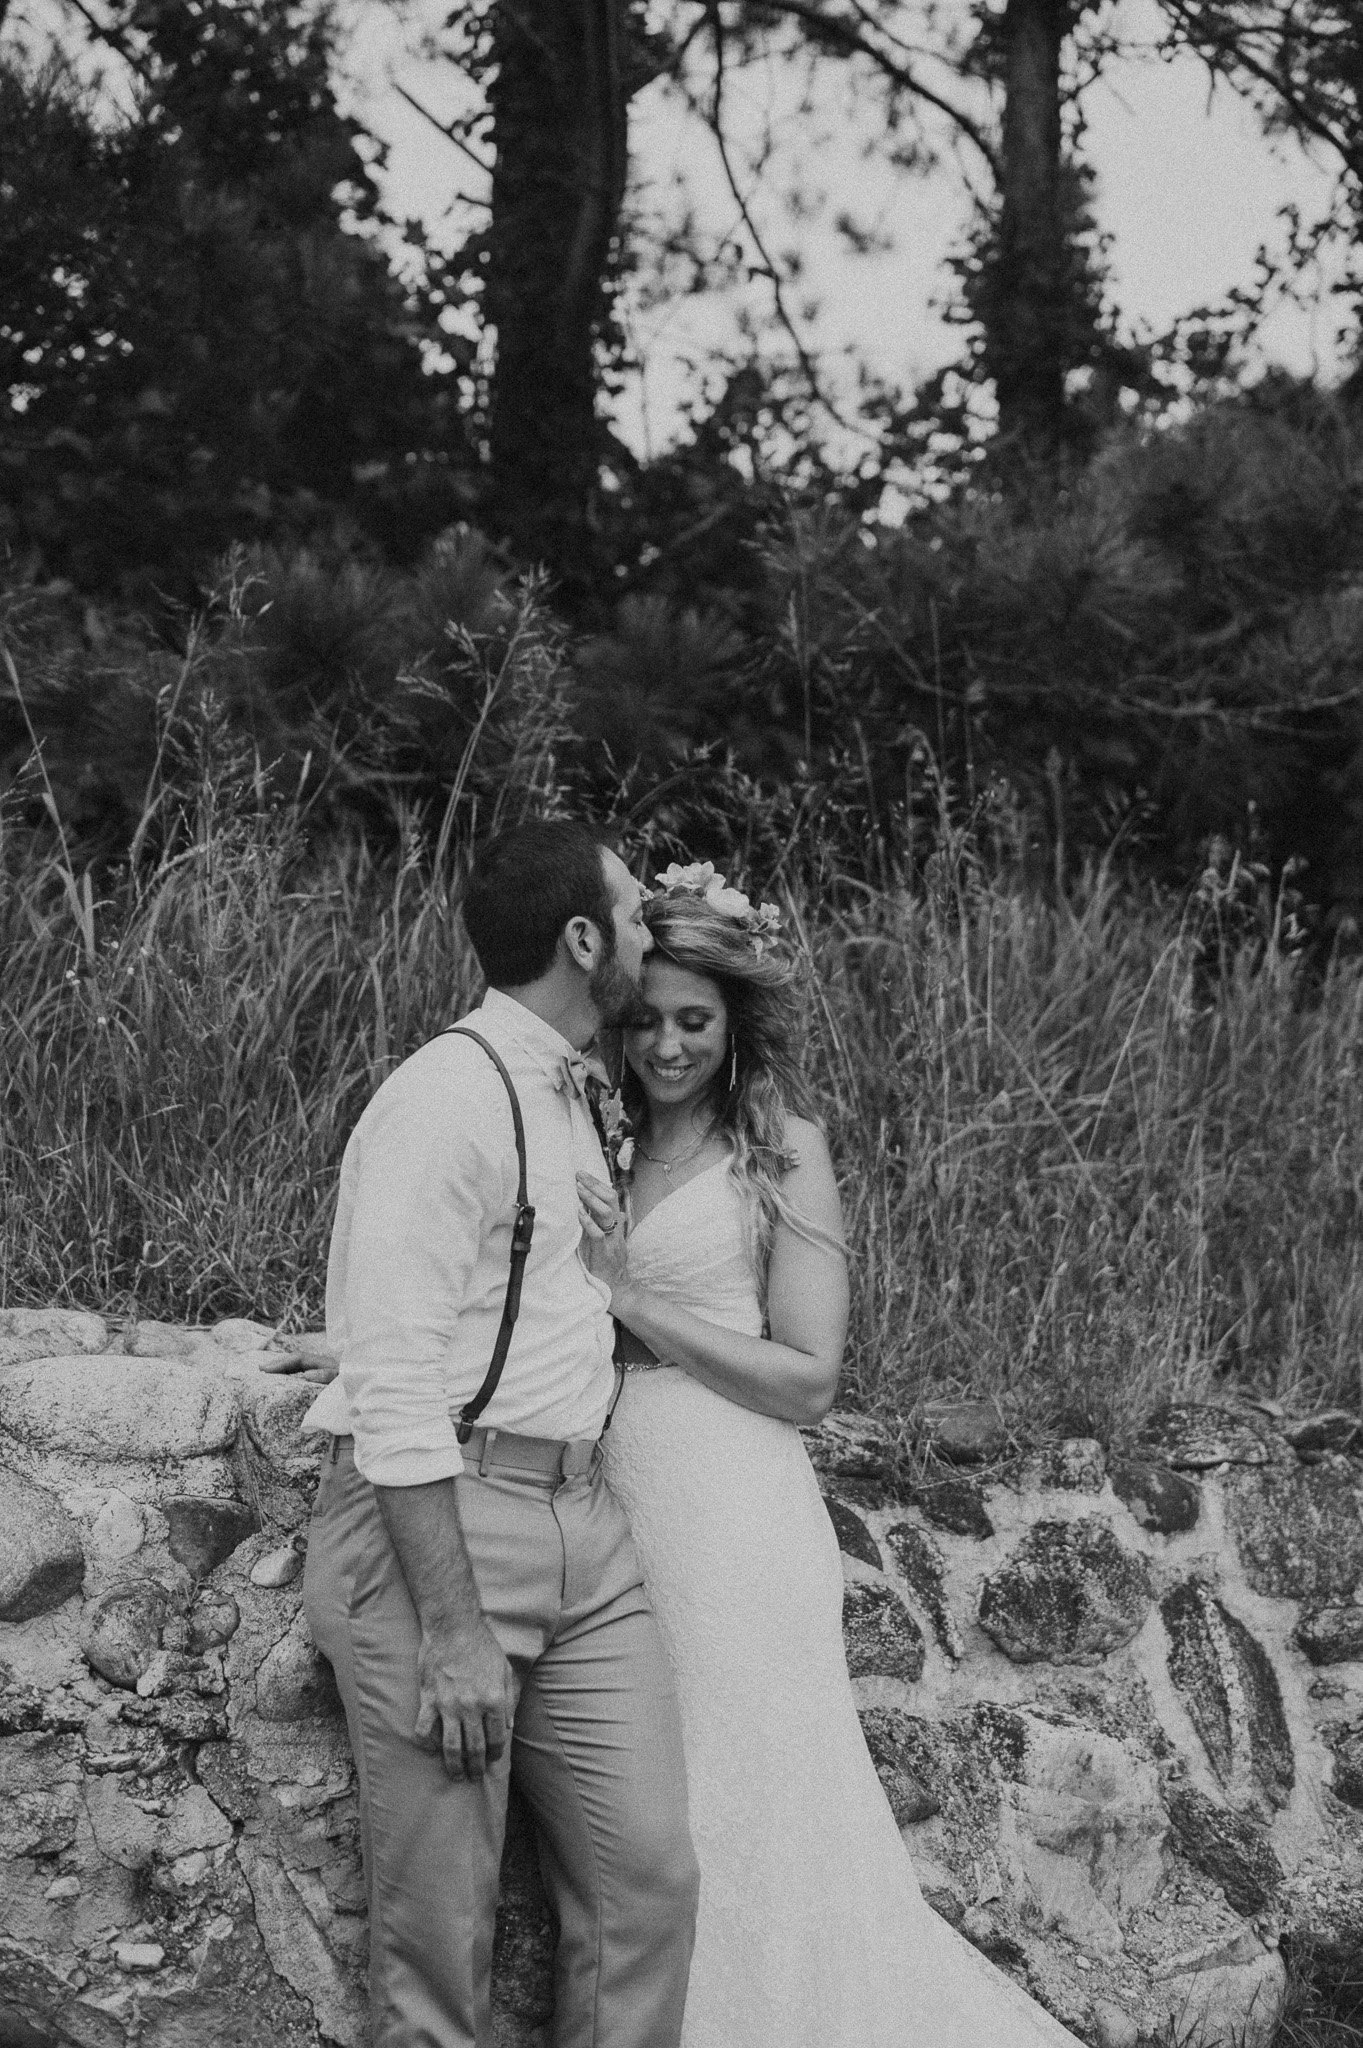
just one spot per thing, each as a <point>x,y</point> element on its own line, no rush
<point>732,1287</point>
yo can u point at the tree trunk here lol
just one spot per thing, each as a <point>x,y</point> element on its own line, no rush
<point>559,111</point>
<point>1028,350</point>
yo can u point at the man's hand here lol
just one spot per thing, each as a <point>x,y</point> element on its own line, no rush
<point>468,1698</point>
<point>466,1692</point>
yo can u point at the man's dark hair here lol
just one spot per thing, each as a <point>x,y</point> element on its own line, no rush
<point>525,886</point>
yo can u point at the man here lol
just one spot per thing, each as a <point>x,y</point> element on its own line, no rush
<point>481,1602</point>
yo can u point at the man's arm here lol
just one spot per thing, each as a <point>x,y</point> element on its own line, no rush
<point>467,1693</point>
<point>430,1164</point>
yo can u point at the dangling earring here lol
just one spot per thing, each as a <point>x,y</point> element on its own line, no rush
<point>733,1061</point>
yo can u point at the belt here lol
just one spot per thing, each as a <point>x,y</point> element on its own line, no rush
<point>508,1452</point>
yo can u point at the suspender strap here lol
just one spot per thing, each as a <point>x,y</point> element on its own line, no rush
<point>522,1231</point>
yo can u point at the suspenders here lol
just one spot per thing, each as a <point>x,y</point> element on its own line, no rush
<point>522,1231</point>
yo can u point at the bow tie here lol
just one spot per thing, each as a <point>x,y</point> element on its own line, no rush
<point>575,1074</point>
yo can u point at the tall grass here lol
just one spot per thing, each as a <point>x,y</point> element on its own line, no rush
<point>1097,1149</point>
<point>183,1060</point>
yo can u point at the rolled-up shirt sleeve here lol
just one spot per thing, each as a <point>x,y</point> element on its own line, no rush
<point>422,1174</point>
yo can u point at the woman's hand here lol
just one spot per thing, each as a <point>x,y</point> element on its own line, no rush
<point>603,1230</point>
<point>320,1367</point>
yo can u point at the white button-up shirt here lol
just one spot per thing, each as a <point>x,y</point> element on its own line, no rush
<point>421,1248</point>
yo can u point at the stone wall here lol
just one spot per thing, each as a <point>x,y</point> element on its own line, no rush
<point>1118,1712</point>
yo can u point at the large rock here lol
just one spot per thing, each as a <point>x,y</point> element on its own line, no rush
<point>213,1620</point>
<point>1192,1436</point>
<point>1162,1500</point>
<point>114,1408</point>
<point>1334,1430</point>
<point>960,1761</point>
<point>1082,1831</point>
<point>127,1834</point>
<point>1232,1695</point>
<point>1347,1782</point>
<point>121,1629</point>
<point>1232,2003</point>
<point>295,1683</point>
<point>848,1446</point>
<point>117,1532</point>
<point>203,1530</point>
<point>956,1504</point>
<point>964,1432</point>
<point>882,1638</point>
<point>27,1333</point>
<point>41,1800</point>
<point>1228,1847</point>
<point>1332,1635</point>
<point>890,1737</point>
<point>922,1566</point>
<point>854,1538</point>
<point>1069,1590</point>
<point>41,1560</point>
<point>1299,1529</point>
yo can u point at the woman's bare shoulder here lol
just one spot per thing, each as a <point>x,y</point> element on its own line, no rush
<point>805,1140</point>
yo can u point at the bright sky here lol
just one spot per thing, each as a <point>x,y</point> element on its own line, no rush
<point>1188,189</point>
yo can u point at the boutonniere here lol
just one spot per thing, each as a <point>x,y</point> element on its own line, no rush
<point>619,1134</point>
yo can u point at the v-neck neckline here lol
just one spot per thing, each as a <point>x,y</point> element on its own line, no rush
<point>672,1193</point>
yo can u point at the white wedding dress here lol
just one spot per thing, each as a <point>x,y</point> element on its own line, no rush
<point>812,1931</point>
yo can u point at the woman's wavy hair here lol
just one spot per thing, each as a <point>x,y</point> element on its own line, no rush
<point>762,984</point>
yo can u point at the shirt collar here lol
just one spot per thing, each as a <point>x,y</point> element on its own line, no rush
<point>544,1045</point>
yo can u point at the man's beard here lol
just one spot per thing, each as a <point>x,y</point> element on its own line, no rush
<point>614,994</point>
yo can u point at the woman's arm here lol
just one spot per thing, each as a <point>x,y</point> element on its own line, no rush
<point>793,1374</point>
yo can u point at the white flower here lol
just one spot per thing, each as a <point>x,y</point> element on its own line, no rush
<point>624,1158</point>
<point>728,902</point>
<point>768,918</point>
<point>697,876</point>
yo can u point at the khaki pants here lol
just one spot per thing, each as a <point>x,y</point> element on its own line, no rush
<point>596,1751</point>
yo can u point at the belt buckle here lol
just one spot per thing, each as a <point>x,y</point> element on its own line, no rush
<point>573,1464</point>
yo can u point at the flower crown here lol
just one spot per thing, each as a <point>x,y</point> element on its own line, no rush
<point>700,880</point>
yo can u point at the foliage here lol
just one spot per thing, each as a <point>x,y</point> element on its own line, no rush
<point>1302,68</point>
<point>1163,653</point>
<point>1096,1147</point>
<point>365,693</point>
<point>199,337</point>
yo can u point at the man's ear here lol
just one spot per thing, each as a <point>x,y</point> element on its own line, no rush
<point>582,942</point>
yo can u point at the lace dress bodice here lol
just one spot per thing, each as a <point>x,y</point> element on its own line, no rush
<point>812,1931</point>
<point>693,1248</point>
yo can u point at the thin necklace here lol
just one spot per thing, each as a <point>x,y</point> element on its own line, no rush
<point>669,1166</point>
